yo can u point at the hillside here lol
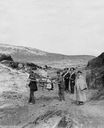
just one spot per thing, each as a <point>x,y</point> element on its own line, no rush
<point>97,61</point>
<point>26,54</point>
<point>95,76</point>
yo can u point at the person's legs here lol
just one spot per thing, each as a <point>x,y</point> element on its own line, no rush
<point>60,95</point>
<point>67,85</point>
<point>32,97</point>
<point>72,88</point>
<point>51,86</point>
<point>63,97</point>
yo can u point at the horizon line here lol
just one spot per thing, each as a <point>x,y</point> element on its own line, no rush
<point>46,51</point>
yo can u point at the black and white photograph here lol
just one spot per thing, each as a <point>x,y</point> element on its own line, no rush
<point>51,63</point>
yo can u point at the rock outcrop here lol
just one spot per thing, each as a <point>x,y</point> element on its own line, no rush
<point>5,57</point>
<point>95,75</point>
<point>96,62</point>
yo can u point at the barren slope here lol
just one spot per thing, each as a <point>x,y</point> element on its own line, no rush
<point>26,54</point>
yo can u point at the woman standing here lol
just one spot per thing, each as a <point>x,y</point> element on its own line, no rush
<point>80,89</point>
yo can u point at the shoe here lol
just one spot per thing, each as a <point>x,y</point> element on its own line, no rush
<point>30,103</point>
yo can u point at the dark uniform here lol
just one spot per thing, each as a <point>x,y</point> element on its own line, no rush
<point>66,79</point>
<point>72,82</point>
<point>61,88</point>
<point>33,87</point>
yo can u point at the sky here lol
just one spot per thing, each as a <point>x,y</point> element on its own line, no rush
<point>72,27</point>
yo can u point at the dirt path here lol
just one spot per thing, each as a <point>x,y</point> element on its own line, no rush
<point>48,112</point>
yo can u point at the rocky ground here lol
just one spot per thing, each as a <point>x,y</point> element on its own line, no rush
<point>48,112</point>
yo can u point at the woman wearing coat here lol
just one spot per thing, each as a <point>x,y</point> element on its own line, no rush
<point>80,89</point>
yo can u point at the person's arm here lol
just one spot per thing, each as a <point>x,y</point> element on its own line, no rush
<point>73,77</point>
<point>65,75</point>
<point>27,84</point>
<point>30,76</point>
<point>84,89</point>
<point>84,85</point>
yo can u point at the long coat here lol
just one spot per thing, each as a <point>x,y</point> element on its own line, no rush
<point>72,82</point>
<point>33,82</point>
<point>80,89</point>
<point>72,79</point>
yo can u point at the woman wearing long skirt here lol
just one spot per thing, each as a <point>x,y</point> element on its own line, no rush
<point>80,89</point>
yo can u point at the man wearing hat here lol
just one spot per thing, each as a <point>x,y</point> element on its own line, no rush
<point>33,87</point>
<point>61,87</point>
<point>72,79</point>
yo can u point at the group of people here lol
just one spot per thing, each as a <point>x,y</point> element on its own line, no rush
<point>74,82</point>
<point>69,76</point>
<point>70,81</point>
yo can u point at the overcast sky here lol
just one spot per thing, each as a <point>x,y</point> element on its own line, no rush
<point>62,26</point>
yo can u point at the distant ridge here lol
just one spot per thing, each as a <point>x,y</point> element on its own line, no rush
<point>27,54</point>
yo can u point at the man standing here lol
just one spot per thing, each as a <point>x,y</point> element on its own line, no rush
<point>72,79</point>
<point>33,87</point>
<point>60,86</point>
<point>66,77</point>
